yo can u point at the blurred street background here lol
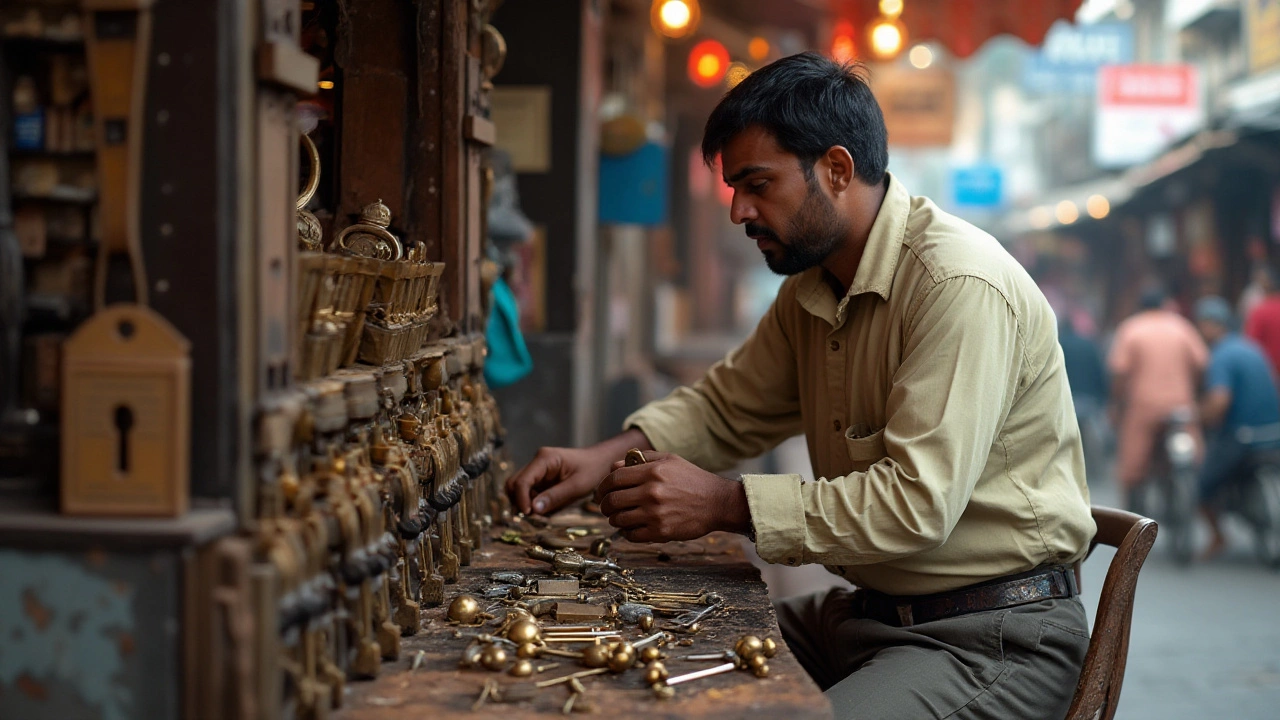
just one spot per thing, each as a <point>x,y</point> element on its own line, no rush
<point>1126,152</point>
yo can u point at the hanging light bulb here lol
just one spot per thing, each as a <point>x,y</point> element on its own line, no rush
<point>675,18</point>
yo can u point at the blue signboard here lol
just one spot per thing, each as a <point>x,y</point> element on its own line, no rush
<point>1069,59</point>
<point>633,188</point>
<point>978,186</point>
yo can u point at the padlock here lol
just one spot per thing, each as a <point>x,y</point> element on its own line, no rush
<point>126,415</point>
<point>402,514</point>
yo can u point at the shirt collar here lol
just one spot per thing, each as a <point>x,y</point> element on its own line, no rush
<point>879,261</point>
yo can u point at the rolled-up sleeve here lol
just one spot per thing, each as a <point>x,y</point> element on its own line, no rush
<point>959,375</point>
<point>745,405</point>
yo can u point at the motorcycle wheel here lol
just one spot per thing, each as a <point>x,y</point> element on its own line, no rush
<point>1181,498</point>
<point>1268,520</point>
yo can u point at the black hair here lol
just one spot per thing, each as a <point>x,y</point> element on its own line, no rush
<point>809,103</point>
<point>1152,298</point>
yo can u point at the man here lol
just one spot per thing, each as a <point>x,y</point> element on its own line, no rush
<point>1156,360</point>
<point>1240,402</point>
<point>1088,380</point>
<point>1262,323</point>
<point>923,367</point>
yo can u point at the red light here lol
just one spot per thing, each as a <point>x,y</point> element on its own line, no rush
<point>843,47</point>
<point>708,63</point>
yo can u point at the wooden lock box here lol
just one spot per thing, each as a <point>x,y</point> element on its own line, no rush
<point>126,424</point>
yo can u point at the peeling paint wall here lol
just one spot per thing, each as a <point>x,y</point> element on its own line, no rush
<point>89,635</point>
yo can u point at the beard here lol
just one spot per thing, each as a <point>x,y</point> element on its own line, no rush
<point>813,233</point>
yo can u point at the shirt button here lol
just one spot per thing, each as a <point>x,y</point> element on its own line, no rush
<point>836,424</point>
<point>835,345</point>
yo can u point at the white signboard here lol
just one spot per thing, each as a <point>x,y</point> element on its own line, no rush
<point>1143,109</point>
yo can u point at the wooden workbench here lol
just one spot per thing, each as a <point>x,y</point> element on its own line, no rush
<point>715,563</point>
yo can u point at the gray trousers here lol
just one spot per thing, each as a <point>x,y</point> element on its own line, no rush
<point>1021,662</point>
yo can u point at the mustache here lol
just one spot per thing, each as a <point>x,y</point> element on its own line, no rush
<point>754,230</point>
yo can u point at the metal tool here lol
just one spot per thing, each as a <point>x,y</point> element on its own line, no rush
<point>717,670</point>
<point>574,676</point>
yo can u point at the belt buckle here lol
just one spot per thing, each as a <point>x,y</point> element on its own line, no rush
<point>905,616</point>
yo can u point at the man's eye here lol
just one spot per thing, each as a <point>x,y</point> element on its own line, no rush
<point>758,185</point>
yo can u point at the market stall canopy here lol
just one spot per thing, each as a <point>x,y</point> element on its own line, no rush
<point>964,25</point>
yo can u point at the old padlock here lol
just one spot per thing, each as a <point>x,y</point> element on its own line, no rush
<point>126,415</point>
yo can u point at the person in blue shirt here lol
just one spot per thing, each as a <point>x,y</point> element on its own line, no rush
<point>1240,401</point>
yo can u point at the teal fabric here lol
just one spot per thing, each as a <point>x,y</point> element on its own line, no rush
<point>508,359</point>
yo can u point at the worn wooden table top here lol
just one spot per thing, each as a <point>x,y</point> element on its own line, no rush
<point>439,687</point>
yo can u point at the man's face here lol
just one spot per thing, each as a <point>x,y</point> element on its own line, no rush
<point>791,218</point>
<point>1211,330</point>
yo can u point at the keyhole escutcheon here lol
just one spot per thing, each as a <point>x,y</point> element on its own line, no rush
<point>124,423</point>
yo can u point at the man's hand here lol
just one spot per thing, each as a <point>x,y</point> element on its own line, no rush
<point>670,498</point>
<point>558,476</point>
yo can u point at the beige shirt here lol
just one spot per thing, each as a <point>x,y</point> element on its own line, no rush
<point>935,404</point>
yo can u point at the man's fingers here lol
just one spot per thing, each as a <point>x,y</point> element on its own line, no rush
<point>621,479</point>
<point>559,494</point>
<point>629,519</point>
<point>619,500</point>
<point>520,486</point>
<point>641,535</point>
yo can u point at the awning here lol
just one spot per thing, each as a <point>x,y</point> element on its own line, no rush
<point>1117,189</point>
<point>964,25</point>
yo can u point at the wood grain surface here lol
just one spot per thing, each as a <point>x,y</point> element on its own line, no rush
<point>440,688</point>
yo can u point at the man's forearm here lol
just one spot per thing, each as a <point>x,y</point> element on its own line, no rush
<point>619,444</point>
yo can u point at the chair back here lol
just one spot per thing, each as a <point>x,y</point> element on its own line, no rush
<point>1098,691</point>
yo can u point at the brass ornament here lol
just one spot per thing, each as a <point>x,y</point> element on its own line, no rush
<point>769,647</point>
<point>646,623</point>
<point>748,646</point>
<point>370,237</point>
<point>522,668</point>
<point>524,631</point>
<point>621,661</point>
<point>494,657</point>
<point>528,650</point>
<point>650,654</point>
<point>493,53</point>
<point>596,656</point>
<point>471,656</point>
<point>310,236</point>
<point>464,610</point>
<point>655,672</point>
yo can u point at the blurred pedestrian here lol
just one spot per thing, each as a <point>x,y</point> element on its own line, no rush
<point>1156,361</point>
<point>1239,393</point>
<point>1262,324</point>
<point>1088,379</point>
<point>1262,282</point>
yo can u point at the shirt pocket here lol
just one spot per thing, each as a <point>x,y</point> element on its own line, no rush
<point>865,451</point>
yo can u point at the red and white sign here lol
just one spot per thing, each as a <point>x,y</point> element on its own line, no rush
<point>1142,109</point>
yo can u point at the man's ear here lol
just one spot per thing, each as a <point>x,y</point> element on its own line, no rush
<point>839,168</point>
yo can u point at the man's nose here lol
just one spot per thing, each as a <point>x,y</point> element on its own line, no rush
<point>741,211</point>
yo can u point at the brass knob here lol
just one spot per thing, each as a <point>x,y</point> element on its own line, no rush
<point>596,656</point>
<point>748,646</point>
<point>769,647</point>
<point>524,631</point>
<point>650,654</point>
<point>494,657</point>
<point>621,661</point>
<point>656,672</point>
<point>522,668</point>
<point>464,609</point>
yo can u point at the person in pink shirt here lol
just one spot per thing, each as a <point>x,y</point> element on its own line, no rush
<point>1262,323</point>
<point>1156,361</point>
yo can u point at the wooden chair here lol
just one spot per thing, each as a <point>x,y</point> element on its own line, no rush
<point>1098,692</point>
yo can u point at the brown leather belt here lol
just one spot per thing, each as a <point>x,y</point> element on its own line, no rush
<point>1009,591</point>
